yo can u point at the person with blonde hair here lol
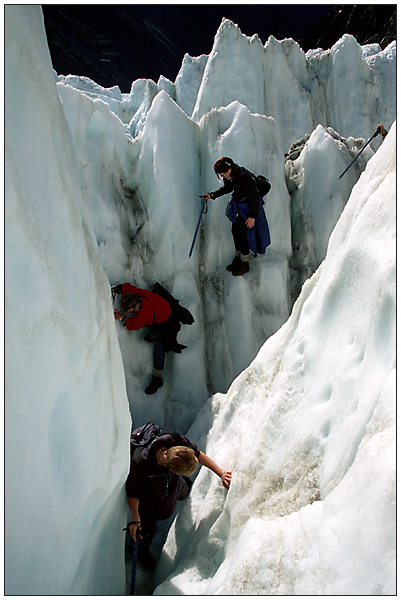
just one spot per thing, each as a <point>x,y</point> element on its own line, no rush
<point>158,479</point>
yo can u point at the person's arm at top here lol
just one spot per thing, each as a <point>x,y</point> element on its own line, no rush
<point>206,461</point>
<point>381,130</point>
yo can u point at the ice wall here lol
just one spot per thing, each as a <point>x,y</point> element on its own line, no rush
<point>144,206</point>
<point>309,431</point>
<point>67,421</point>
<point>252,102</point>
<point>116,190</point>
<point>300,91</point>
<point>144,202</point>
<point>317,196</point>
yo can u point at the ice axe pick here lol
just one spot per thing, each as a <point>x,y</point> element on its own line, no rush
<point>360,151</point>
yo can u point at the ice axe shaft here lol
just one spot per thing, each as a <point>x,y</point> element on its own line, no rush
<point>197,226</point>
<point>134,563</point>
<point>360,151</point>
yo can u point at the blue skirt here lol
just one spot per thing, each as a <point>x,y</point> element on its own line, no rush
<point>259,234</point>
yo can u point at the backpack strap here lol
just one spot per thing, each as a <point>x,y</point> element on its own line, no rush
<point>137,439</point>
<point>137,456</point>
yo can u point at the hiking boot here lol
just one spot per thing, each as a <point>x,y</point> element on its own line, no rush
<point>154,385</point>
<point>241,268</point>
<point>233,265</point>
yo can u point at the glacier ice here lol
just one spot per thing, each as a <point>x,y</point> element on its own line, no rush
<point>66,414</point>
<point>102,187</point>
<point>309,432</point>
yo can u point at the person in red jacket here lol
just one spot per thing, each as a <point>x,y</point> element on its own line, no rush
<point>143,308</point>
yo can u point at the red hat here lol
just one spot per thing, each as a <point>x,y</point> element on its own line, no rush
<point>223,164</point>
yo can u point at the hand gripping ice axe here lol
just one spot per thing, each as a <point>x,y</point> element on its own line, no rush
<point>360,151</point>
<point>202,212</point>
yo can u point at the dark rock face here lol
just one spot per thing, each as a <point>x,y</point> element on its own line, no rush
<point>117,44</point>
<point>368,23</point>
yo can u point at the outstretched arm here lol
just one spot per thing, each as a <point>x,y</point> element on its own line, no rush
<point>210,464</point>
<point>226,188</point>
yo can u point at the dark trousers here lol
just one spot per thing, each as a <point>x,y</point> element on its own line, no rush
<point>239,231</point>
<point>147,515</point>
<point>159,356</point>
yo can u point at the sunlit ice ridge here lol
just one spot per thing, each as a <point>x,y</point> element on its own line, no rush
<point>289,374</point>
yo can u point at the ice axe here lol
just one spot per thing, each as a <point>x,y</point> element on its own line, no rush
<point>360,151</point>
<point>134,563</point>
<point>197,226</point>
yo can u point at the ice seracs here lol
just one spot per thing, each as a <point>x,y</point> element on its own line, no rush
<point>309,428</point>
<point>279,80</point>
<point>101,190</point>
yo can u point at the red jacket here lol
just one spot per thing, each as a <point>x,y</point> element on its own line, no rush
<point>153,308</point>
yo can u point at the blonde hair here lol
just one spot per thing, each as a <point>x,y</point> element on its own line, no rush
<point>181,460</point>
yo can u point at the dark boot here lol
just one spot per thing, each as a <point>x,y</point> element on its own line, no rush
<point>154,385</point>
<point>241,268</point>
<point>233,265</point>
